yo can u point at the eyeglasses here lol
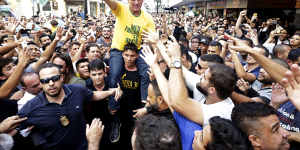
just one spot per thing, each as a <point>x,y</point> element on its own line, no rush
<point>53,79</point>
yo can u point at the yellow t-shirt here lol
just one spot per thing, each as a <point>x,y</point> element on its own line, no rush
<point>128,28</point>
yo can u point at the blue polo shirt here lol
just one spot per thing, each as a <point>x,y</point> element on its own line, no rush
<point>187,129</point>
<point>48,131</point>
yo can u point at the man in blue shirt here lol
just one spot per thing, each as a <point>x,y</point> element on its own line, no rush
<point>56,113</point>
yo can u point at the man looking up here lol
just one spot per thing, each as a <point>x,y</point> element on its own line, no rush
<point>131,21</point>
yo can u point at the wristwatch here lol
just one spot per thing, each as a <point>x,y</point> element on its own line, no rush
<point>176,63</point>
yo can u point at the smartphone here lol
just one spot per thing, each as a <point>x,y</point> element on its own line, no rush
<point>274,21</point>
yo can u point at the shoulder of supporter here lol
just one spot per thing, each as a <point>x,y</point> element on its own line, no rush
<point>32,105</point>
<point>222,109</point>
<point>77,80</point>
<point>79,89</point>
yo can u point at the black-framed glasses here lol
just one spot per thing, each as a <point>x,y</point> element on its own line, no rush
<point>53,79</point>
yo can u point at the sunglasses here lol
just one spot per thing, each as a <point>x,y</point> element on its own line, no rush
<point>53,79</point>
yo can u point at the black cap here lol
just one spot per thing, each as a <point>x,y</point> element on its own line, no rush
<point>204,40</point>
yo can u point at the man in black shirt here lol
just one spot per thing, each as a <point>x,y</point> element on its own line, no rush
<point>131,99</point>
<point>99,109</point>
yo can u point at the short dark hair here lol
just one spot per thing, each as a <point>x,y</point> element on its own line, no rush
<point>131,46</point>
<point>4,62</point>
<point>245,115</point>
<point>294,54</point>
<point>223,79</point>
<point>48,65</point>
<point>212,58</point>
<point>215,43</point>
<point>32,43</point>
<point>74,43</point>
<point>156,133</point>
<point>89,46</point>
<point>82,60</point>
<point>96,64</point>
<point>43,35</point>
<point>226,136</point>
<point>67,59</point>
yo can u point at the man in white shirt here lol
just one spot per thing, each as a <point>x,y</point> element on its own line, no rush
<point>31,84</point>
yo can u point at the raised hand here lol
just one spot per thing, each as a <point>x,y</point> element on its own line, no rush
<point>149,57</point>
<point>151,37</point>
<point>94,131</point>
<point>24,56</point>
<point>174,48</point>
<point>243,85</point>
<point>243,13</point>
<point>59,33</point>
<point>291,83</point>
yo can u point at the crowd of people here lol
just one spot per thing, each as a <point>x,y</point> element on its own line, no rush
<point>141,81</point>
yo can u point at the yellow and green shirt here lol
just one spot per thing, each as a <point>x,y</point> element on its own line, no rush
<point>128,28</point>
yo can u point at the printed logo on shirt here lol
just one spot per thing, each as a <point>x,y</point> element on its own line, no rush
<point>287,120</point>
<point>134,30</point>
<point>129,84</point>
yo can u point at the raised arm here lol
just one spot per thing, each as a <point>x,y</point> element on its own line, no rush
<point>76,57</point>
<point>112,4</point>
<point>5,49</point>
<point>291,83</point>
<point>240,69</point>
<point>49,50</point>
<point>14,78</point>
<point>100,95</point>
<point>178,91</point>
<point>151,60</point>
<point>276,71</point>
<point>237,29</point>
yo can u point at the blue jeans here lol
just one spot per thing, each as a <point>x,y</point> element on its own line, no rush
<point>116,65</point>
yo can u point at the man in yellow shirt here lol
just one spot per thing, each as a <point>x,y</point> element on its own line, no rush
<point>131,21</point>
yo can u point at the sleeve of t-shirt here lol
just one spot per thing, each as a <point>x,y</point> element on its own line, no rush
<point>118,10</point>
<point>87,93</point>
<point>213,110</point>
<point>151,25</point>
<point>191,79</point>
<point>256,71</point>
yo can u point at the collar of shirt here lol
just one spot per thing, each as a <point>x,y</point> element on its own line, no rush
<point>45,101</point>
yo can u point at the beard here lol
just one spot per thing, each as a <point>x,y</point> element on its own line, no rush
<point>54,95</point>
<point>202,90</point>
